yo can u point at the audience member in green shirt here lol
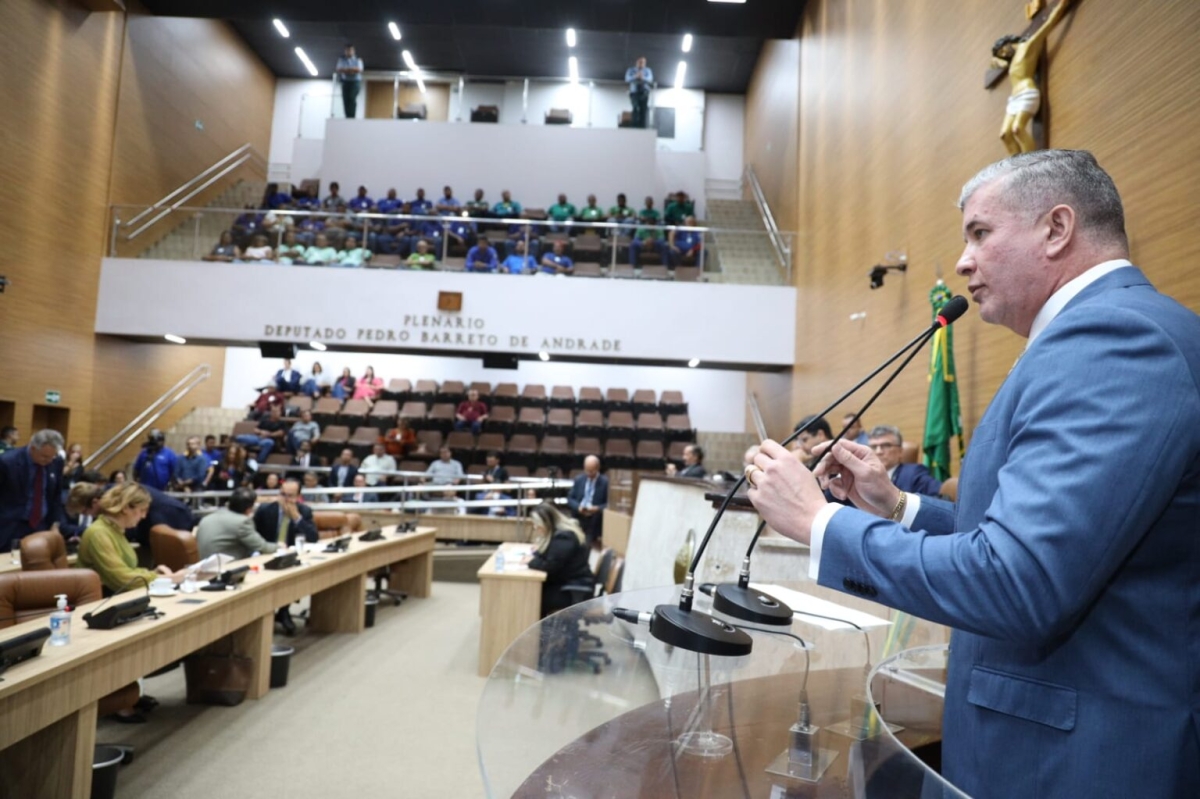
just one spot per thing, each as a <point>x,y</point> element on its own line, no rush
<point>648,216</point>
<point>678,208</point>
<point>591,212</point>
<point>289,251</point>
<point>620,213</point>
<point>352,254</point>
<point>562,211</point>
<point>320,253</point>
<point>104,548</point>
<point>507,207</point>
<point>478,206</point>
<point>421,258</point>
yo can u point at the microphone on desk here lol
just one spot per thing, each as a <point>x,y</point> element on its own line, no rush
<point>678,625</point>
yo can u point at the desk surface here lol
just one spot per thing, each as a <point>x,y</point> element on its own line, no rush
<point>513,568</point>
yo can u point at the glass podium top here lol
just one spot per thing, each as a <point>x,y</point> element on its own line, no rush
<point>584,704</point>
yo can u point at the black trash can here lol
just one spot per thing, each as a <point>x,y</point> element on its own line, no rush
<point>281,658</point>
<point>371,604</point>
<point>106,763</point>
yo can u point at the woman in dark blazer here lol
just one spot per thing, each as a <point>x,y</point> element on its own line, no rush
<point>563,555</point>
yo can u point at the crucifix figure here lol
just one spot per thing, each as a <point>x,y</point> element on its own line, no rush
<point>1018,56</point>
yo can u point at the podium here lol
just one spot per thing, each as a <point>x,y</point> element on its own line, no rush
<point>805,714</point>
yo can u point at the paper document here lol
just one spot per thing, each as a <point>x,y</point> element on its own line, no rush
<point>799,601</point>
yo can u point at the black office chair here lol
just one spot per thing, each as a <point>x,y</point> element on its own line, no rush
<point>378,592</point>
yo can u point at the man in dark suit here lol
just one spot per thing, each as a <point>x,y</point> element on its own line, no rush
<point>588,498</point>
<point>31,488</point>
<point>693,463</point>
<point>888,445</point>
<point>282,522</point>
<point>341,474</point>
<point>288,379</point>
<point>1068,567</point>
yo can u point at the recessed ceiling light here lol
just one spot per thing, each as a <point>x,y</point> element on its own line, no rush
<point>279,26</point>
<point>318,346</point>
<point>395,29</point>
<point>309,65</point>
<point>573,69</point>
<point>687,42</point>
<point>408,60</point>
<point>570,37</point>
<point>693,363</point>
<point>680,71</point>
<point>174,339</point>
<point>545,356</point>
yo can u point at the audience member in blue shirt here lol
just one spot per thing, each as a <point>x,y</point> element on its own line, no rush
<point>275,198</point>
<point>362,202</point>
<point>461,232</point>
<point>482,258</point>
<point>639,77</point>
<point>518,263</point>
<point>420,206</point>
<point>194,469</point>
<point>389,203</point>
<point>684,245</point>
<point>449,204</point>
<point>507,207</point>
<point>556,262</point>
<point>155,464</point>
<point>211,451</point>
<point>302,199</point>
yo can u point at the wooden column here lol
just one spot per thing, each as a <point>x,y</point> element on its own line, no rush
<point>54,761</point>
<point>339,609</point>
<point>254,641</point>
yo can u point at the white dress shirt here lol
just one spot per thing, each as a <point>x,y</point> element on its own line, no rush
<point>1053,307</point>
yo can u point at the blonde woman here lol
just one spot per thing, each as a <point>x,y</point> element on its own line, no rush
<point>562,553</point>
<point>104,548</point>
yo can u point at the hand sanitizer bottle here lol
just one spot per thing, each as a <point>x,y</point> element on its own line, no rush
<point>60,623</point>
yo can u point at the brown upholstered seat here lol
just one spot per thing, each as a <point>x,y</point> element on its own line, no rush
<point>505,394</point>
<point>484,389</point>
<point>414,412</point>
<point>672,402</point>
<point>174,549</point>
<point>363,441</point>
<point>562,397</point>
<point>590,398</point>
<point>462,445</point>
<point>687,274</point>
<point>617,399</point>
<point>441,416</point>
<point>588,269</point>
<point>644,401</point>
<point>650,455</point>
<point>326,410</point>
<point>675,451</point>
<point>354,412</point>
<point>243,429</point>
<point>649,426</point>
<point>333,440</point>
<point>910,452</point>
<point>533,395</point>
<point>490,442</point>
<point>560,421</point>
<point>522,450</point>
<point>43,551</point>
<point>384,414</point>
<point>428,442</point>
<point>333,523</point>
<point>679,428</point>
<point>620,424</point>
<point>518,471</point>
<point>399,389</point>
<point>589,423</point>
<point>587,446</point>
<point>501,420</point>
<point>531,420</point>
<point>451,391</point>
<point>618,453</point>
<point>301,403</point>
<point>425,390</point>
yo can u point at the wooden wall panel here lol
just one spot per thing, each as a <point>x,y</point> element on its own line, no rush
<point>893,119</point>
<point>772,127</point>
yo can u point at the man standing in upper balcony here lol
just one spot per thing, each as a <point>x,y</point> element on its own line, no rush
<point>639,78</point>
<point>349,73</point>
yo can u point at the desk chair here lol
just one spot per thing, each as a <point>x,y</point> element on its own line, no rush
<point>174,549</point>
<point>43,551</point>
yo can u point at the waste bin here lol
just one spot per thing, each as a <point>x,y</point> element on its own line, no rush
<point>281,658</point>
<point>106,763</point>
<point>371,603</point>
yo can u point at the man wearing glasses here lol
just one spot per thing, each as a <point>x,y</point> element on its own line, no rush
<point>913,478</point>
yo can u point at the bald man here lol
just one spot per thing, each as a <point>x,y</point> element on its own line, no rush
<point>588,497</point>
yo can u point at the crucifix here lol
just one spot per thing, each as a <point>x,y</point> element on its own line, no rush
<point>1019,57</point>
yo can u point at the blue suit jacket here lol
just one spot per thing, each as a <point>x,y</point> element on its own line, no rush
<point>599,492</point>
<point>16,484</point>
<point>1070,568</point>
<point>916,479</point>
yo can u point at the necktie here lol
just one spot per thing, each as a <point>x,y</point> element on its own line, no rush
<point>587,493</point>
<point>39,490</point>
<point>283,526</point>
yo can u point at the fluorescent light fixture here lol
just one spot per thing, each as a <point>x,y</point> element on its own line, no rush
<point>680,71</point>
<point>408,60</point>
<point>727,1</point>
<point>573,69</point>
<point>420,84</point>
<point>318,346</point>
<point>174,339</point>
<point>570,37</point>
<point>312,68</point>
<point>395,29</point>
<point>693,363</point>
<point>545,356</point>
<point>279,26</point>
<point>687,42</point>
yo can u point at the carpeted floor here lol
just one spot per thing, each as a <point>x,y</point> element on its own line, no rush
<point>389,713</point>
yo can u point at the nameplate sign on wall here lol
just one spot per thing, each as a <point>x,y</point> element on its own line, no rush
<point>610,319</point>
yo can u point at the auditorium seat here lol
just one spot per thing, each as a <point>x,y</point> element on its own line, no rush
<point>559,116</point>
<point>650,456</point>
<point>412,466</point>
<point>560,421</point>
<point>243,429</point>
<point>384,414</point>
<point>414,413</point>
<point>278,459</point>
<point>562,397</point>
<point>354,412</point>
<point>619,425</point>
<point>505,394</point>
<point>522,450</point>
<point>490,442</point>
<point>363,441</point>
<point>462,445</point>
<point>687,274</point>
<point>333,440</point>
<point>399,389</point>
<point>533,395</point>
<point>518,471</point>
<point>326,410</point>
<point>587,248</point>
<point>623,270</point>
<point>556,451</point>
<point>618,454</point>
<point>501,420</point>
<point>588,270</point>
<point>585,446</point>
<point>425,391</point>
<point>649,427</point>
<point>485,113</point>
<point>645,401</point>
<point>591,398</point>
<point>675,452</point>
<point>429,442</point>
<point>441,416</point>
<point>537,214</point>
<point>679,428</point>
<point>617,399</point>
<point>451,264</point>
<point>484,389</point>
<point>43,551</point>
<point>452,391</point>
<point>384,261</point>
<point>589,423</point>
<point>300,403</point>
<point>672,402</point>
<point>654,271</point>
<point>531,420</point>
<point>477,468</point>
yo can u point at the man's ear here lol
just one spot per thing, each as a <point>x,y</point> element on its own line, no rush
<point>1060,229</point>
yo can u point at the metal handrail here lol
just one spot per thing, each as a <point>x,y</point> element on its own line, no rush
<point>782,251</point>
<point>151,414</point>
<point>752,400</point>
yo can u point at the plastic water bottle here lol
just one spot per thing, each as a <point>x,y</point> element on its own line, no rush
<point>60,623</point>
<point>499,560</point>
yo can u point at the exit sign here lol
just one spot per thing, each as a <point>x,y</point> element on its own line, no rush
<point>53,397</point>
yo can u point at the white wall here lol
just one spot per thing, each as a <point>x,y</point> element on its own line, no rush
<point>724,128</point>
<point>716,399</point>
<point>301,108</point>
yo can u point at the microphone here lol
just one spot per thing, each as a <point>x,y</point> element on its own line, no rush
<point>706,634</point>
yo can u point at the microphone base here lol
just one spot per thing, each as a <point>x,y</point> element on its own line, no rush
<point>750,604</point>
<point>698,632</point>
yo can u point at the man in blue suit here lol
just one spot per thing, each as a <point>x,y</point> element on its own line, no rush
<point>888,445</point>
<point>31,488</point>
<point>588,498</point>
<point>1069,567</point>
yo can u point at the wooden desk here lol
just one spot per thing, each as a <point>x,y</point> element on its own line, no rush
<point>48,705</point>
<point>509,602</point>
<point>456,527</point>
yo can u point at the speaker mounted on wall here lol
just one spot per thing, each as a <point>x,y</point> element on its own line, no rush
<point>277,349</point>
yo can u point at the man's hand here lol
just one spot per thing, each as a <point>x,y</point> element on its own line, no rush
<point>854,472</point>
<point>784,492</point>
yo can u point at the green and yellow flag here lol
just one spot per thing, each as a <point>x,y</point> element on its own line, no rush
<point>943,416</point>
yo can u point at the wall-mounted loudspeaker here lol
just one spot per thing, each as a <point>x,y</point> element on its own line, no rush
<point>277,349</point>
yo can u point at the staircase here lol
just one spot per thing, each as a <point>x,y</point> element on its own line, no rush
<point>184,243</point>
<point>742,257</point>
<point>204,422</point>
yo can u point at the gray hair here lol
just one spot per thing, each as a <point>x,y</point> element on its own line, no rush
<point>881,430</point>
<point>45,438</point>
<point>1039,180</point>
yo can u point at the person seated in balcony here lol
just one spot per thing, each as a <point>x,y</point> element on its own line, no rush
<point>307,228</point>
<point>259,251</point>
<point>269,434</point>
<point>360,493</point>
<point>246,225</point>
<point>420,206</point>
<point>445,470</point>
<point>341,473</point>
<point>478,206</point>
<point>518,263</point>
<point>482,257</point>
<point>320,253</point>
<point>340,225</point>
<point>303,199</point>
<point>591,212</point>
<point>361,203</point>
<point>400,440</point>
<point>557,262</point>
<point>236,469</point>
<point>648,234</point>
<point>516,233</point>
<point>334,199</point>
<point>368,386</point>
<point>507,207</point>
<point>275,225</point>
<point>449,204</point>
<point>389,203</point>
<point>304,457</point>
<point>310,483</point>
<point>421,257</point>
<point>275,198</point>
<point>679,207</point>
<point>352,255</point>
<point>623,215</point>
<point>343,387</point>
<point>374,465</point>
<point>561,214</point>
<point>461,232</point>
<point>303,431</point>
<point>290,251</point>
<point>472,412</point>
<point>318,383</point>
<point>683,246</point>
<point>225,250</point>
<point>288,379</point>
<point>395,235</point>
